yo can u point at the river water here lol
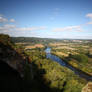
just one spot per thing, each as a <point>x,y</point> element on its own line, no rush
<point>62,63</point>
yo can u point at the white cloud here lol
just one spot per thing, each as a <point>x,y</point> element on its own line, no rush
<point>68,28</point>
<point>31,28</point>
<point>2,19</point>
<point>7,27</point>
<point>89,15</point>
<point>12,30</point>
<point>12,20</point>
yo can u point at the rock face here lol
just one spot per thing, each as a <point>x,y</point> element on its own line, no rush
<point>9,55</point>
<point>10,79</point>
<point>87,88</point>
<point>11,68</point>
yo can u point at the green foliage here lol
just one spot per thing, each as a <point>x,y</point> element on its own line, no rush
<point>73,86</point>
<point>5,39</point>
<point>80,57</point>
<point>57,77</point>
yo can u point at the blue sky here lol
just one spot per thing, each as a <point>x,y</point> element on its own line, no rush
<point>47,18</point>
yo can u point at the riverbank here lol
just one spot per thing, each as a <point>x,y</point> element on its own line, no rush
<point>66,64</point>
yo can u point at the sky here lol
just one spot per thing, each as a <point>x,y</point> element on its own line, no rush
<point>69,19</point>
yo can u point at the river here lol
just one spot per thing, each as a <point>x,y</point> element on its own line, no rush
<point>62,63</point>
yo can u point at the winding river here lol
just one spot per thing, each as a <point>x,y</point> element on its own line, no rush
<point>62,63</point>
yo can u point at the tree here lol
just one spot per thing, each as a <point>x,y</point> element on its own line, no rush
<point>80,57</point>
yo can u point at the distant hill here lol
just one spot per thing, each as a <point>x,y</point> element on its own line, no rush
<point>33,40</point>
<point>36,40</point>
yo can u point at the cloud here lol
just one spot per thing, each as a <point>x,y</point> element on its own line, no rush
<point>2,19</point>
<point>12,20</point>
<point>69,28</point>
<point>7,27</point>
<point>89,15</point>
<point>31,28</point>
<point>12,30</point>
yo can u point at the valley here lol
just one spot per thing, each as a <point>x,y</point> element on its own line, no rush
<point>38,69</point>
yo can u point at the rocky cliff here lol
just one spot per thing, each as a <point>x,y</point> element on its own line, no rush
<point>12,63</point>
<point>9,55</point>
